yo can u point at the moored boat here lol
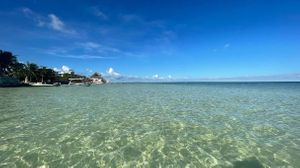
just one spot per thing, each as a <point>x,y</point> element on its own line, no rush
<point>40,84</point>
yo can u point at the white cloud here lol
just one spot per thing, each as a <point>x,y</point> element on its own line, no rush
<point>57,24</point>
<point>220,49</point>
<point>104,50</point>
<point>114,76</point>
<point>95,47</point>
<point>27,11</point>
<point>99,13</point>
<point>162,78</point>
<point>91,51</point>
<point>51,21</point>
<point>89,45</point>
<point>64,70</point>
<point>111,72</point>
<point>56,69</point>
<point>131,18</point>
<point>226,45</point>
<point>39,19</point>
<point>41,23</point>
<point>155,76</point>
<point>92,45</point>
<point>84,56</point>
<point>89,70</point>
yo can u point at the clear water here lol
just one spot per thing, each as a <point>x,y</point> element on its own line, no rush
<point>151,125</point>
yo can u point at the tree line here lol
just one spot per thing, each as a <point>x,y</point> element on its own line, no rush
<point>11,67</point>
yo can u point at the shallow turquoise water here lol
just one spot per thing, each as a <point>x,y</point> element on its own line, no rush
<point>151,125</point>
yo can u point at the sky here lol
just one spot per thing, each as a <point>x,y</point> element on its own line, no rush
<point>157,40</point>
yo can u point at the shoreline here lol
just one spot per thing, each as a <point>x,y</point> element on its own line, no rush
<point>179,82</point>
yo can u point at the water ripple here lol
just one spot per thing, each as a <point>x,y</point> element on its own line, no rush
<point>151,125</point>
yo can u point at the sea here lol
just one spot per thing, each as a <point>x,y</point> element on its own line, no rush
<point>187,124</point>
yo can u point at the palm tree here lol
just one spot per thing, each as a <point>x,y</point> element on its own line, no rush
<point>7,60</point>
<point>96,75</point>
<point>42,72</point>
<point>51,75</point>
<point>19,71</point>
<point>31,70</point>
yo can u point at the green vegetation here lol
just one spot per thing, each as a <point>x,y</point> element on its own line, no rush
<point>30,72</point>
<point>64,78</point>
<point>7,63</point>
<point>10,67</point>
<point>98,76</point>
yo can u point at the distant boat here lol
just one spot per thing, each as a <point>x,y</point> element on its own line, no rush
<point>80,81</point>
<point>76,81</point>
<point>57,84</point>
<point>40,84</point>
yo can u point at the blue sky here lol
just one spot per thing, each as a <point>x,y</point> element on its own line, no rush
<point>156,40</point>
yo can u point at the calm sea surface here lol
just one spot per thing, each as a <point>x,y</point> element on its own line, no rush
<point>151,125</point>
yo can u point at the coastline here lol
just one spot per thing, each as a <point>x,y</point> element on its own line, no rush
<point>159,82</point>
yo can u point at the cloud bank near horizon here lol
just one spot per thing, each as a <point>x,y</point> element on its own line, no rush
<point>114,76</point>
